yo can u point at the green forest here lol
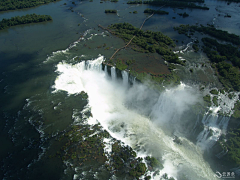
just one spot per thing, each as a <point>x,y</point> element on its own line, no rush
<point>147,41</point>
<point>150,11</point>
<point>110,11</point>
<point>210,30</point>
<point>6,5</point>
<point>27,19</point>
<point>179,4</point>
<point>224,57</point>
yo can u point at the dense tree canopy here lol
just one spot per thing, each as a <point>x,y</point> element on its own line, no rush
<point>110,11</point>
<point>147,41</point>
<point>210,30</point>
<point>155,11</point>
<point>29,18</point>
<point>175,3</point>
<point>20,4</point>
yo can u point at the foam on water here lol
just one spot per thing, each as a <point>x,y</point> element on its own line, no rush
<point>56,54</point>
<point>107,100</point>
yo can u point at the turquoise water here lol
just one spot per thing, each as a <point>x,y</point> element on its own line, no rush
<point>31,115</point>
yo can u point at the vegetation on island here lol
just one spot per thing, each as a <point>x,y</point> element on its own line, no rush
<point>147,41</point>
<point>229,1</point>
<point>6,5</point>
<point>150,11</point>
<point>27,19</point>
<point>195,47</point>
<point>218,52</point>
<point>174,4</point>
<point>210,30</point>
<point>230,145</point>
<point>221,55</point>
<point>110,11</point>
<point>228,75</point>
<point>183,14</point>
<point>165,79</point>
<point>225,58</point>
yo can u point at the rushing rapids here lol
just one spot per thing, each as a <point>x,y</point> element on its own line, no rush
<point>144,119</point>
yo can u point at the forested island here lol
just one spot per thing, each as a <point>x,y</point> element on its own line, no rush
<point>6,5</point>
<point>220,54</point>
<point>210,30</point>
<point>111,11</point>
<point>147,41</point>
<point>174,4</point>
<point>27,19</point>
<point>150,11</point>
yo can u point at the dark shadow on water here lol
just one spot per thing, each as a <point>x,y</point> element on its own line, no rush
<point>18,74</point>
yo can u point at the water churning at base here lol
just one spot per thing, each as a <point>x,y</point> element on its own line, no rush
<point>137,116</point>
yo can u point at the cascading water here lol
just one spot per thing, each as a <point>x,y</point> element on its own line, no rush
<point>214,126</point>
<point>105,69</point>
<point>125,78</point>
<point>109,106</point>
<point>113,73</point>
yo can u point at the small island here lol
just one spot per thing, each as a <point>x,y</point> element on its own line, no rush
<point>174,4</point>
<point>150,11</point>
<point>16,4</point>
<point>28,19</point>
<point>111,11</point>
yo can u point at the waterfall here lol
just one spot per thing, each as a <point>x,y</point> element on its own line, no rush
<point>214,126</point>
<point>132,79</point>
<point>96,65</point>
<point>108,99</point>
<point>113,73</point>
<point>125,78</point>
<point>105,70</point>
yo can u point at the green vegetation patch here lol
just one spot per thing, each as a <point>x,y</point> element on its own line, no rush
<point>138,171</point>
<point>111,11</point>
<point>219,54</point>
<point>229,75</point>
<point>195,47</point>
<point>233,146</point>
<point>147,41</point>
<point>215,100</point>
<point>6,5</point>
<point>120,65</point>
<point>236,109</point>
<point>153,162</point>
<point>183,14</point>
<point>180,3</point>
<point>84,95</point>
<point>163,79</point>
<point>214,91</point>
<point>207,99</point>
<point>210,30</point>
<point>27,19</point>
<point>150,11</point>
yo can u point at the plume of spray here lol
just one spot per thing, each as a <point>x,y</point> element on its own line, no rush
<point>124,113</point>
